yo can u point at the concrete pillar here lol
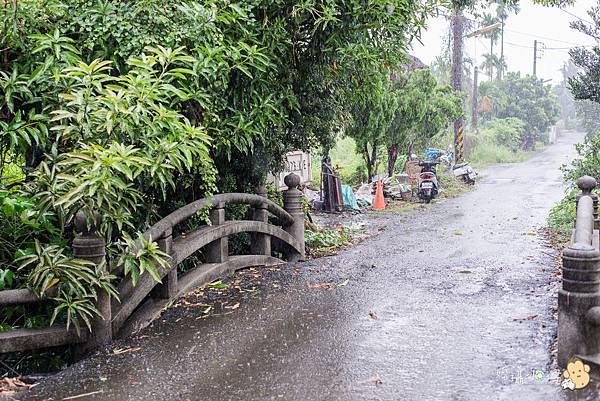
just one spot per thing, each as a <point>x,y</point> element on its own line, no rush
<point>168,288</point>
<point>261,243</point>
<point>587,184</point>
<point>292,203</point>
<point>581,272</point>
<point>579,297</point>
<point>218,250</point>
<point>88,245</point>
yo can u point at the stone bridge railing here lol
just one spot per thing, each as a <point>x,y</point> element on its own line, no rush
<point>579,297</point>
<point>140,303</point>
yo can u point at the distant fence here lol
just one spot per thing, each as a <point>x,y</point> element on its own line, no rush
<point>142,302</point>
<point>579,297</point>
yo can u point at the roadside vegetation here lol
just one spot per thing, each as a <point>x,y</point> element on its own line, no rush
<point>581,106</point>
<point>516,115</point>
<point>117,108</point>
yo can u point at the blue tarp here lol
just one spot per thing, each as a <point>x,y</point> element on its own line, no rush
<point>349,198</point>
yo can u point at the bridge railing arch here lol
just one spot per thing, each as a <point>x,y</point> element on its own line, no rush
<point>140,303</point>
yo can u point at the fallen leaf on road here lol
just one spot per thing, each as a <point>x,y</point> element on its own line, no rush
<point>118,351</point>
<point>10,385</point>
<point>465,271</point>
<point>343,283</point>
<point>531,233</point>
<point>217,285</point>
<point>186,304</point>
<point>530,317</point>
<point>456,232</point>
<point>372,315</point>
<point>321,285</point>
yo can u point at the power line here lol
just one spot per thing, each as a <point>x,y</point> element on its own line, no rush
<point>542,37</point>
<point>547,48</point>
<point>516,45</point>
<point>576,16</point>
<point>568,48</point>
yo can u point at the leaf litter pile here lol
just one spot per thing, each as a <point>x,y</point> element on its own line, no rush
<point>9,386</point>
<point>225,296</point>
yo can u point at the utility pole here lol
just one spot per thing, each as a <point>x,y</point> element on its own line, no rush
<point>474,115</point>
<point>538,48</point>
<point>535,43</point>
<point>457,72</point>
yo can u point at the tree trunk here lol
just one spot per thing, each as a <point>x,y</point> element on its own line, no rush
<point>491,54</point>
<point>501,72</point>
<point>392,157</point>
<point>368,162</point>
<point>373,160</point>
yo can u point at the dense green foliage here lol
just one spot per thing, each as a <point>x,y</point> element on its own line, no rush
<point>525,98</point>
<point>497,141</point>
<point>509,132</point>
<point>587,116</point>
<point>586,84</point>
<point>585,87</point>
<point>133,109</point>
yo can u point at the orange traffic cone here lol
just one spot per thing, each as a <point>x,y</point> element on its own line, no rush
<point>379,202</point>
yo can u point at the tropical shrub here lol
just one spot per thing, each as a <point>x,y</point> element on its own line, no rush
<point>509,132</point>
<point>526,98</point>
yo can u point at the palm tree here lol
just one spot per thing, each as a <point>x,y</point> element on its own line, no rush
<point>500,67</point>
<point>490,62</point>
<point>503,9</point>
<point>487,20</point>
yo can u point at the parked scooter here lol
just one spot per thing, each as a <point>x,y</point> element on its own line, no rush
<point>465,172</point>
<point>428,184</point>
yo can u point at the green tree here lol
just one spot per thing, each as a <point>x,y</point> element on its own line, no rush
<point>423,109</point>
<point>587,116</point>
<point>526,98</point>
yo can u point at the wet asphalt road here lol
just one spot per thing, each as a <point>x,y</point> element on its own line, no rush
<point>423,311</point>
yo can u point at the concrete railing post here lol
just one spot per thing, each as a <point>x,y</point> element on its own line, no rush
<point>292,203</point>
<point>579,297</point>
<point>88,245</point>
<point>168,288</point>
<point>218,250</point>
<point>261,243</point>
<point>587,184</point>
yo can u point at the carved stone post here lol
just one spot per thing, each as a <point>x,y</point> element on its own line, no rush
<point>579,297</point>
<point>90,246</point>
<point>168,288</point>
<point>218,250</point>
<point>587,184</point>
<point>292,203</point>
<point>261,243</point>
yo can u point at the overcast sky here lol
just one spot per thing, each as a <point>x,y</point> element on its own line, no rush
<point>548,25</point>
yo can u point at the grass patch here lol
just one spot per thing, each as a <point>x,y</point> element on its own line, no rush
<point>562,216</point>
<point>485,154</point>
